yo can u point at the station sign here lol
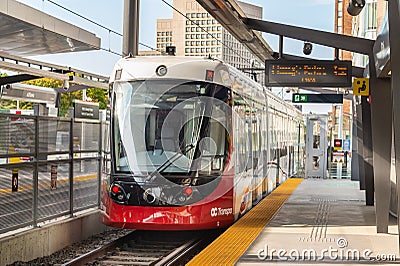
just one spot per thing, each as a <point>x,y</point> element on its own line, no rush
<point>86,110</point>
<point>317,98</point>
<point>346,145</point>
<point>308,73</point>
<point>361,87</point>
<point>29,93</point>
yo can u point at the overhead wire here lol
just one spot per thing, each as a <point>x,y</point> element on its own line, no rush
<point>205,30</point>
<point>99,25</point>
<point>145,45</point>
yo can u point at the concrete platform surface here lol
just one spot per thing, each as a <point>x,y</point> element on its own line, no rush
<point>324,222</point>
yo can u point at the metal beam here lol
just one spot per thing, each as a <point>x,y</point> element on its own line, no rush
<point>381,120</point>
<point>32,71</point>
<point>367,151</point>
<point>16,78</point>
<point>131,28</point>
<point>360,145</point>
<point>230,16</point>
<point>394,39</point>
<point>37,69</point>
<point>344,42</point>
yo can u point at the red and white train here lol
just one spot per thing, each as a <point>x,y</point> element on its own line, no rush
<point>192,143</point>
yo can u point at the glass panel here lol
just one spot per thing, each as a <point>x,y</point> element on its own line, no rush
<point>16,212</point>
<point>316,134</point>
<point>53,191</point>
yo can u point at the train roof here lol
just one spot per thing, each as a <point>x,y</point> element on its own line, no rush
<point>197,69</point>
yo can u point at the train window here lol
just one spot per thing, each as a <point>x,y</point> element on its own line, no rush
<point>171,127</point>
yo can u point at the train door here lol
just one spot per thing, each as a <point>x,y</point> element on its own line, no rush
<point>256,162</point>
<point>316,146</point>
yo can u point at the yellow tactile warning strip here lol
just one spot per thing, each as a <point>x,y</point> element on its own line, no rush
<point>231,245</point>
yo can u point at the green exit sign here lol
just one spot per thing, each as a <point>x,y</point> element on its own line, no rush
<point>300,98</point>
<point>317,98</point>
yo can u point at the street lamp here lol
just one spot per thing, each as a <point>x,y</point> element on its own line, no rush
<point>355,6</point>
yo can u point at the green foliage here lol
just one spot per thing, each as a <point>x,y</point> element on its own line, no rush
<point>45,82</point>
<point>98,96</point>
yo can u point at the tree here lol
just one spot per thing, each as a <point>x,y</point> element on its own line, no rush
<point>99,96</point>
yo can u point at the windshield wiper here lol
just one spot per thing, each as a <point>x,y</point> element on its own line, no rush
<point>169,161</point>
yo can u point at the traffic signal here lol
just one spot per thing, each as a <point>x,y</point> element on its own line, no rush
<point>337,144</point>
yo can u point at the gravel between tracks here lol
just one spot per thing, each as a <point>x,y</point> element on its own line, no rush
<point>77,249</point>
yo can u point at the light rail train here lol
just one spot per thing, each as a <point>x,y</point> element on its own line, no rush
<point>192,143</point>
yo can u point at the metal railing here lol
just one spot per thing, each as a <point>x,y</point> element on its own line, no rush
<point>49,167</point>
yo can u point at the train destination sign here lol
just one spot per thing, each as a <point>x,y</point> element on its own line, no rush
<point>307,73</point>
<point>317,98</point>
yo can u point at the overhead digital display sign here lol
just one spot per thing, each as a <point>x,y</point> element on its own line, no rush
<point>307,73</point>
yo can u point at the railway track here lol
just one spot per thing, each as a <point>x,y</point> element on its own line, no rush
<point>148,248</point>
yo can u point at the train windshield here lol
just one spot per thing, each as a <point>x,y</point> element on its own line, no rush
<point>171,127</point>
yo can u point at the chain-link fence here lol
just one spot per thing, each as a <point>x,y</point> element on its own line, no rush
<point>49,167</point>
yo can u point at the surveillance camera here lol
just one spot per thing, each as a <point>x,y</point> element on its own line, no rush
<point>8,86</point>
<point>288,90</point>
<point>307,48</point>
<point>355,6</point>
<point>346,92</point>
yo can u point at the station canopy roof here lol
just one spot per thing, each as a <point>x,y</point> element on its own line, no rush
<point>25,31</point>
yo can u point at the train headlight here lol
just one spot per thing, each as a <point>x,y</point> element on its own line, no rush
<point>161,70</point>
<point>117,193</point>
<point>188,191</point>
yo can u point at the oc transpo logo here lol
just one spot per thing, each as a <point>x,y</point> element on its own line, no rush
<point>220,211</point>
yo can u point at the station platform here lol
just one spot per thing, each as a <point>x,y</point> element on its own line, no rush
<point>318,222</point>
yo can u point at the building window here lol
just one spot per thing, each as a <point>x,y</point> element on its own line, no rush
<point>218,27</point>
<point>187,36</point>
<point>371,16</point>
<point>187,50</point>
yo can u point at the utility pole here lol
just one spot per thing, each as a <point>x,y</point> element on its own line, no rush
<point>131,28</point>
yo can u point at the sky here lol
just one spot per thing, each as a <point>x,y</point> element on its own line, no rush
<point>314,14</point>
